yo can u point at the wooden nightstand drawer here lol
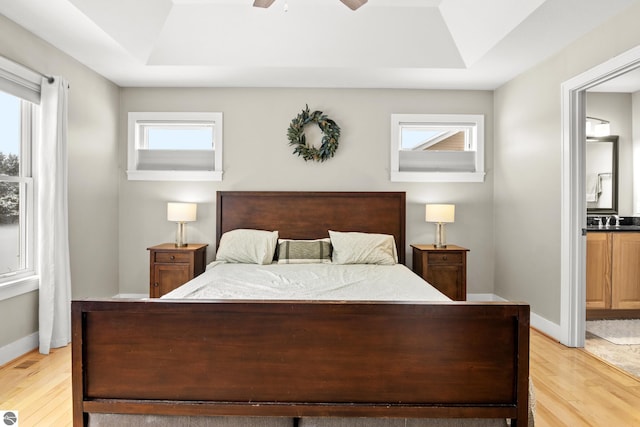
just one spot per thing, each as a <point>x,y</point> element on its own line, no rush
<point>169,257</point>
<point>444,258</point>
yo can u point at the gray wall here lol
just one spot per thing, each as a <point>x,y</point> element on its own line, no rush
<point>527,163</point>
<point>257,157</point>
<point>93,179</point>
<point>511,222</point>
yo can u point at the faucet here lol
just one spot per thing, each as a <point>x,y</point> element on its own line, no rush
<point>598,221</point>
<point>617,220</point>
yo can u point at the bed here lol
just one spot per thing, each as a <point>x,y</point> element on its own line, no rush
<point>310,362</point>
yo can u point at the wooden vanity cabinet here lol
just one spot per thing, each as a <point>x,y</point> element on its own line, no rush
<point>613,274</point>
<point>598,271</point>
<point>625,271</point>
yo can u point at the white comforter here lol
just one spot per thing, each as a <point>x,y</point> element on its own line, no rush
<point>308,282</point>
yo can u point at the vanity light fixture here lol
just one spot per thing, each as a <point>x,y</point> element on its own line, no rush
<point>597,127</point>
<point>440,215</point>
<point>181,213</point>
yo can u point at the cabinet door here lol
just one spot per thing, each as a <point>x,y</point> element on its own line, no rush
<point>447,279</point>
<point>625,292</point>
<point>168,277</point>
<point>598,270</point>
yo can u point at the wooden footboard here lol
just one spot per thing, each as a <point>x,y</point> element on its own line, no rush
<point>296,359</point>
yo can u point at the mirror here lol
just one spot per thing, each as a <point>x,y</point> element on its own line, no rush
<point>601,174</point>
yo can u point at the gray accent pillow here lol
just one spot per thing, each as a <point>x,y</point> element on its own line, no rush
<point>304,251</point>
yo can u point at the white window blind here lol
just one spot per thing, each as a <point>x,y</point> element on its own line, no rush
<point>19,81</point>
<point>437,148</point>
<point>175,146</point>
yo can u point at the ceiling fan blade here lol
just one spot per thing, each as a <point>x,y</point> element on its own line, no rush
<point>353,4</point>
<point>262,3</point>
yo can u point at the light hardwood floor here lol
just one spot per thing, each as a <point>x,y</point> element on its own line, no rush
<point>39,388</point>
<point>573,388</point>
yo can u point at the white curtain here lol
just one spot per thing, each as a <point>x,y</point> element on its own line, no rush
<point>52,224</point>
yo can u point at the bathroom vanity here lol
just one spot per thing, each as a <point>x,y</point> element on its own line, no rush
<point>613,272</point>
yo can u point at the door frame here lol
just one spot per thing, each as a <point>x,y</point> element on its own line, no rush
<point>573,197</point>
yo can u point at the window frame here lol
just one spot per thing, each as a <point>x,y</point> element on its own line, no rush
<point>26,279</point>
<point>473,120</point>
<point>136,141</point>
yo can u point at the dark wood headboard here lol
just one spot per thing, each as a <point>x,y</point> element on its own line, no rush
<point>309,215</point>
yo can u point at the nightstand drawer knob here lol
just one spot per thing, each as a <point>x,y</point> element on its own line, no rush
<point>172,257</point>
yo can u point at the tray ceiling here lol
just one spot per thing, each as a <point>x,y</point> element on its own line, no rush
<point>457,44</point>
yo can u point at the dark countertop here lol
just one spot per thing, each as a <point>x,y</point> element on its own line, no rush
<point>619,228</point>
<point>628,223</point>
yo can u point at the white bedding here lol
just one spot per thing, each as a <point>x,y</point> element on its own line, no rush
<point>357,282</point>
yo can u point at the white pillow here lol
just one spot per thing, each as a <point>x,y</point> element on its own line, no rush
<point>363,248</point>
<point>247,246</point>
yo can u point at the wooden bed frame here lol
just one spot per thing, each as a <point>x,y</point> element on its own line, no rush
<point>302,358</point>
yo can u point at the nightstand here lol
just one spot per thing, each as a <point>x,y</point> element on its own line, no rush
<point>171,267</point>
<point>444,268</point>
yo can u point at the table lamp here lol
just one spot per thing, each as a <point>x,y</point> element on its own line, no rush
<point>440,214</point>
<point>181,213</point>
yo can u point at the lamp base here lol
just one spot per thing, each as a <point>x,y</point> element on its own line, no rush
<point>440,236</point>
<point>181,235</point>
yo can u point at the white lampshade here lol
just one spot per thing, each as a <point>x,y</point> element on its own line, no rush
<point>181,212</point>
<point>440,213</point>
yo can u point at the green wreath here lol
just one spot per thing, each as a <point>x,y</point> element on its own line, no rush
<point>330,131</point>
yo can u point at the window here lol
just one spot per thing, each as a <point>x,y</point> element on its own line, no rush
<point>437,148</point>
<point>19,110</point>
<point>16,189</point>
<point>175,146</point>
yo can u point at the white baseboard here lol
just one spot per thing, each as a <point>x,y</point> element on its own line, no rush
<point>484,297</point>
<point>546,326</point>
<point>26,344</point>
<point>132,296</point>
<point>537,321</point>
<point>18,348</point>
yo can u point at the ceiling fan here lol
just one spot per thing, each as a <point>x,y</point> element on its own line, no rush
<point>351,4</point>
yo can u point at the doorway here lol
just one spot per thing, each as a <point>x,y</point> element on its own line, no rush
<point>573,190</point>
